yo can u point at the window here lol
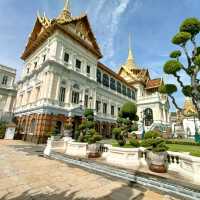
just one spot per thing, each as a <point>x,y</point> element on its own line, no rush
<point>66,57</point>
<point>148,116</point>
<point>28,70</point>
<point>75,97</point>
<point>78,64</point>
<point>5,80</point>
<point>28,97</point>
<point>119,109</point>
<point>112,110</point>
<point>129,92</point>
<point>104,108</point>
<point>37,93</point>
<point>98,106</point>
<point>88,69</point>
<point>35,65</point>
<point>98,76</point>
<point>119,87</point>
<point>124,90</point>
<point>86,101</point>
<point>112,84</point>
<point>133,96</point>
<point>62,95</point>
<point>106,80</point>
<point>44,58</point>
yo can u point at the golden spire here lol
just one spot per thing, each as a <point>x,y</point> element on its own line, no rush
<point>130,55</point>
<point>65,14</point>
<point>66,5</point>
<point>130,64</point>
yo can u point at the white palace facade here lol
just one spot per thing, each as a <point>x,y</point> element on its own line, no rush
<point>62,76</point>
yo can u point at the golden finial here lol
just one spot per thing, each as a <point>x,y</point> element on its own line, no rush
<point>66,5</point>
<point>130,64</point>
<point>130,55</point>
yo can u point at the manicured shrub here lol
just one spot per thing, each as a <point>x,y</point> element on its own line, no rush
<point>181,38</point>
<point>175,54</point>
<point>134,142</point>
<point>155,144</point>
<point>172,67</point>
<point>2,129</point>
<point>190,25</point>
<point>129,110</point>
<point>182,142</point>
<point>151,135</point>
<point>116,132</point>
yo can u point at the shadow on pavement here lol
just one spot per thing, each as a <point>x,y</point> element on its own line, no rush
<point>123,193</point>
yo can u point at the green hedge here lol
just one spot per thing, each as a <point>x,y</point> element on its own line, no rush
<point>182,142</point>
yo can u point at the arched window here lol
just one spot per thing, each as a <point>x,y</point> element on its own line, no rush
<point>119,87</point>
<point>105,80</point>
<point>98,76</point>
<point>129,92</point>
<point>33,125</point>
<point>124,90</point>
<point>75,94</point>
<point>148,116</point>
<point>133,95</point>
<point>112,84</point>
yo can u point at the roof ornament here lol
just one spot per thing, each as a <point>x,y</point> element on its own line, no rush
<point>65,14</point>
<point>130,64</point>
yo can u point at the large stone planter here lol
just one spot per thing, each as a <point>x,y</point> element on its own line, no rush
<point>67,132</point>
<point>157,162</point>
<point>123,156</point>
<point>77,149</point>
<point>93,151</point>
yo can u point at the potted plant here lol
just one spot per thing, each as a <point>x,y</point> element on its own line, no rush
<point>68,130</point>
<point>156,152</point>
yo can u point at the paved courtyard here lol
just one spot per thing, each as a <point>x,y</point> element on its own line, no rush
<point>25,175</point>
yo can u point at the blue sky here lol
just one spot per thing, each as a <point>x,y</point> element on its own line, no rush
<point>152,24</point>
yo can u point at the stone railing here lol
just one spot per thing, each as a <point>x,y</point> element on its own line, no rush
<point>181,163</point>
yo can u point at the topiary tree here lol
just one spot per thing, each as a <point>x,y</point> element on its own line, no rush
<point>87,132</point>
<point>188,31</point>
<point>125,121</point>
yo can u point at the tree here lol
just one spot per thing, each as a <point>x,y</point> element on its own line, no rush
<point>125,121</point>
<point>87,129</point>
<point>188,31</point>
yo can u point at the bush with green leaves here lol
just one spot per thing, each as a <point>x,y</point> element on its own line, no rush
<point>151,135</point>
<point>87,132</point>
<point>188,33</point>
<point>125,122</point>
<point>134,142</point>
<point>2,129</point>
<point>155,144</point>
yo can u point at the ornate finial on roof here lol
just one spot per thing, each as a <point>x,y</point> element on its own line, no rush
<point>66,5</point>
<point>130,64</point>
<point>65,14</point>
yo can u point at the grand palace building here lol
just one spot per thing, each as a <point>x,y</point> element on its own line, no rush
<point>63,76</point>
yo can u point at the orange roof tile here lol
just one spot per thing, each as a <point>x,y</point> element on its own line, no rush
<point>154,83</point>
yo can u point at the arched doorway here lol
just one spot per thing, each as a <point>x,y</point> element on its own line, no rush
<point>148,116</point>
<point>57,128</point>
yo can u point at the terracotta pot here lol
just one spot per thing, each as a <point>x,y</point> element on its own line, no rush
<point>157,162</point>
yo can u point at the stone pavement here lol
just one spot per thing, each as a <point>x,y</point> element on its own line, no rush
<point>24,175</point>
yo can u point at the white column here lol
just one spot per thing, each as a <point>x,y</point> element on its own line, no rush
<point>164,114</point>
<point>58,88</point>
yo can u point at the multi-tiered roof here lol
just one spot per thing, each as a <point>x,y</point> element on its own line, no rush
<point>78,28</point>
